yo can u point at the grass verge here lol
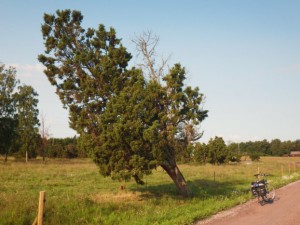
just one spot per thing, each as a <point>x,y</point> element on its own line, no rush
<point>77,194</point>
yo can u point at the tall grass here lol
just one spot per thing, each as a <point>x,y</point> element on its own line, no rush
<point>77,194</point>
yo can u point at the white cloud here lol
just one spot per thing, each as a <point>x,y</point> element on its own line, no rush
<point>28,70</point>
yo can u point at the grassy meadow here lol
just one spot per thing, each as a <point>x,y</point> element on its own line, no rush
<point>77,194</point>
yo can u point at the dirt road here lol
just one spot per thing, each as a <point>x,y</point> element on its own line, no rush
<point>285,210</point>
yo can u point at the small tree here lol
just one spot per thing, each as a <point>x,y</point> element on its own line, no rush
<point>234,154</point>
<point>217,151</point>
<point>200,153</point>
<point>254,156</point>
<point>28,120</point>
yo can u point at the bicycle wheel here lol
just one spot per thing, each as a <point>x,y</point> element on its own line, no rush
<point>270,193</point>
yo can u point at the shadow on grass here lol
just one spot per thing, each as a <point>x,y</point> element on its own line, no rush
<point>201,189</point>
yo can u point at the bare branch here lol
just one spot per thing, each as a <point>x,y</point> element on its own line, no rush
<point>146,44</point>
<point>163,65</point>
<point>44,130</point>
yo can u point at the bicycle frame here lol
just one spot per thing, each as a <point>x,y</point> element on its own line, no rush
<point>261,189</point>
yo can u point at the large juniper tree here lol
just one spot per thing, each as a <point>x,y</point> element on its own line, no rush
<point>130,124</point>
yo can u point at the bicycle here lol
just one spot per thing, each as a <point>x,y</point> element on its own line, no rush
<point>262,189</point>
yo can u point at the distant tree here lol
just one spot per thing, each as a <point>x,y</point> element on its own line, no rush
<point>45,134</point>
<point>70,151</point>
<point>263,147</point>
<point>28,120</point>
<point>297,145</point>
<point>132,124</point>
<point>18,115</point>
<point>8,113</point>
<point>62,147</point>
<point>54,148</point>
<point>217,151</point>
<point>286,147</point>
<point>248,147</point>
<point>200,153</point>
<point>8,87</point>
<point>275,147</point>
<point>234,154</point>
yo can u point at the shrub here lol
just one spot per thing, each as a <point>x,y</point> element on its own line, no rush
<point>254,156</point>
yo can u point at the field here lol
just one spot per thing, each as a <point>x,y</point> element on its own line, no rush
<point>77,194</point>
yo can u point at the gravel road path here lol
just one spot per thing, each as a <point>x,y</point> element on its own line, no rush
<point>285,210</point>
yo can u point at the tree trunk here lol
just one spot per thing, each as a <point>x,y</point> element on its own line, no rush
<point>177,177</point>
<point>5,157</point>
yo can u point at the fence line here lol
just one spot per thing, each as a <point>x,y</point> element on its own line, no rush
<point>285,168</point>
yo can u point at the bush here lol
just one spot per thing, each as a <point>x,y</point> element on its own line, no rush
<point>254,156</point>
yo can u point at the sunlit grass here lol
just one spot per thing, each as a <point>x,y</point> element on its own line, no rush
<point>77,194</point>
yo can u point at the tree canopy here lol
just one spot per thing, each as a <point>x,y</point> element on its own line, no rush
<point>8,113</point>
<point>18,114</point>
<point>130,124</point>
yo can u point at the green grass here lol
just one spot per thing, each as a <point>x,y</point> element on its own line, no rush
<point>77,194</point>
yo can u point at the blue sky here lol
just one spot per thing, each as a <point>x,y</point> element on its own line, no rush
<point>244,56</point>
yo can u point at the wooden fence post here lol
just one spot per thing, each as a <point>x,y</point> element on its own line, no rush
<point>39,219</point>
<point>281,171</point>
<point>41,208</point>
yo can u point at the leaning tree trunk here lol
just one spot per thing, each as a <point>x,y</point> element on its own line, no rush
<point>177,177</point>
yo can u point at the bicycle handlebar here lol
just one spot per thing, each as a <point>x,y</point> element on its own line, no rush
<point>261,174</point>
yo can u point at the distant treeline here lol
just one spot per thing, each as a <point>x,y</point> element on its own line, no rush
<point>64,148</point>
<point>53,148</point>
<point>274,148</point>
<point>214,152</point>
<point>217,152</point>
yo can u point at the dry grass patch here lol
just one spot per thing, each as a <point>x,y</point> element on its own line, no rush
<point>119,197</point>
